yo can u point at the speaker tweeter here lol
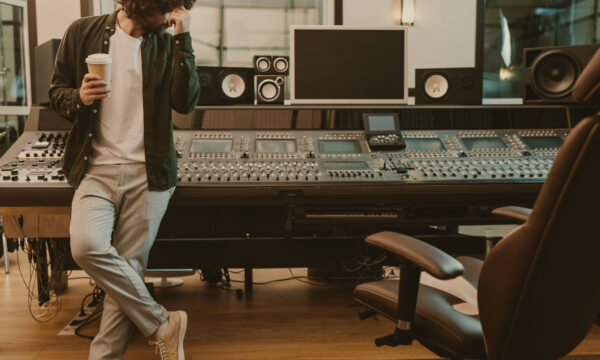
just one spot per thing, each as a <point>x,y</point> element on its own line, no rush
<point>271,65</point>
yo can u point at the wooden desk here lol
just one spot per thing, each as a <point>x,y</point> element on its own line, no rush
<point>34,222</point>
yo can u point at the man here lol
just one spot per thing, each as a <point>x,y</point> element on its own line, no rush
<point>121,160</point>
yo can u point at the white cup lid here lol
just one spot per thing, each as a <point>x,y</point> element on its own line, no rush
<point>99,59</point>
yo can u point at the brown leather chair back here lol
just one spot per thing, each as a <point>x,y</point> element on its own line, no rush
<point>539,288</point>
<point>587,88</point>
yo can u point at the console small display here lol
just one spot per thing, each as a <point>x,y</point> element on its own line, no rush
<point>542,142</point>
<point>382,123</point>
<point>275,146</point>
<point>339,147</point>
<point>483,143</point>
<point>345,165</point>
<point>424,145</point>
<point>211,146</point>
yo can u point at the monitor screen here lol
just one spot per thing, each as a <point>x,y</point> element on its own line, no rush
<point>382,123</point>
<point>424,145</point>
<point>339,147</point>
<point>545,142</point>
<point>211,146</point>
<point>483,143</point>
<point>348,65</point>
<point>275,146</point>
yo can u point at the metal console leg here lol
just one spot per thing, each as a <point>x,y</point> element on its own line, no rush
<point>248,279</point>
<point>5,248</point>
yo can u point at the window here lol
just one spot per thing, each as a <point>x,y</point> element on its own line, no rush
<point>14,94</point>
<point>10,128</point>
<point>231,32</point>
<point>511,26</point>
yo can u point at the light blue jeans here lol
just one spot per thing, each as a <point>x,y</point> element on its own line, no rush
<point>114,222</point>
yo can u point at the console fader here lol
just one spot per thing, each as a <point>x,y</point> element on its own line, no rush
<point>216,158</point>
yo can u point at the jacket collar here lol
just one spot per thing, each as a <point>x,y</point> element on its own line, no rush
<point>111,22</point>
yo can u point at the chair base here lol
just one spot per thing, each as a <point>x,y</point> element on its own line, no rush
<point>399,337</point>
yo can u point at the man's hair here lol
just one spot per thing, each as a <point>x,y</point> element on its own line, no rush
<point>140,9</point>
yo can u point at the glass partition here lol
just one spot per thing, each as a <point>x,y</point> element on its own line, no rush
<point>512,25</point>
<point>10,128</point>
<point>231,32</point>
<point>13,64</point>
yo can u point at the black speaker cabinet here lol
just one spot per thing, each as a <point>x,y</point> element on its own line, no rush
<point>453,86</point>
<point>269,89</point>
<point>271,65</point>
<point>45,55</point>
<point>225,85</point>
<point>549,73</point>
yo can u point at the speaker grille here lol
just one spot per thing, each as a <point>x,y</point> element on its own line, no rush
<point>555,73</point>
<point>550,73</point>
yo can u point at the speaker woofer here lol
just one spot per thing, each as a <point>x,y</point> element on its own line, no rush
<point>436,86</point>
<point>555,73</point>
<point>269,89</point>
<point>452,86</point>
<point>550,73</point>
<point>233,86</point>
<point>225,85</point>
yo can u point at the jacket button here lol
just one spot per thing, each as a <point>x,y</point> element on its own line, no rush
<point>177,42</point>
<point>85,158</point>
<point>105,42</point>
<point>90,135</point>
<point>95,111</point>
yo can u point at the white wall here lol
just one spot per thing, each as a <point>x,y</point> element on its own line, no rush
<point>443,34</point>
<point>54,17</point>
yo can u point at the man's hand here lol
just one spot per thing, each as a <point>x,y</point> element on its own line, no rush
<point>180,17</point>
<point>92,89</point>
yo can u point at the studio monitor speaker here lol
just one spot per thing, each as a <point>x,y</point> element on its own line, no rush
<point>453,86</point>
<point>271,65</point>
<point>45,55</point>
<point>549,73</point>
<point>269,89</point>
<point>225,85</point>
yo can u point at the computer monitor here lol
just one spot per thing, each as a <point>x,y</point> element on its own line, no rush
<point>348,65</point>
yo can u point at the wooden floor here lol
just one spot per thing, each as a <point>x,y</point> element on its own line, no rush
<point>286,320</point>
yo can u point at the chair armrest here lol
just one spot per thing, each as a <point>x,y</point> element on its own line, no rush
<point>513,213</point>
<point>424,256</point>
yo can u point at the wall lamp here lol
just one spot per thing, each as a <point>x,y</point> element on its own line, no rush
<point>403,12</point>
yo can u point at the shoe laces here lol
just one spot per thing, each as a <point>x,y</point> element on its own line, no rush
<point>160,347</point>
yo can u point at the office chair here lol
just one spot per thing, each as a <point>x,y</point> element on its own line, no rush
<point>537,294</point>
<point>587,88</point>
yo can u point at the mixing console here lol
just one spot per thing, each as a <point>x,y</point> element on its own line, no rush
<point>38,161</point>
<point>208,158</point>
<point>333,157</point>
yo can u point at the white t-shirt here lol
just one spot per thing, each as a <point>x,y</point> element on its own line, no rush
<point>120,129</point>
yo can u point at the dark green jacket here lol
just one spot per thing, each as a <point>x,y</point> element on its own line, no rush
<point>169,81</point>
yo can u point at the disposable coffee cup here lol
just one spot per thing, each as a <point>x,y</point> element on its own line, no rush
<point>101,65</point>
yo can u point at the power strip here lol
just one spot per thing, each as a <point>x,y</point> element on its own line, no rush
<point>78,320</point>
